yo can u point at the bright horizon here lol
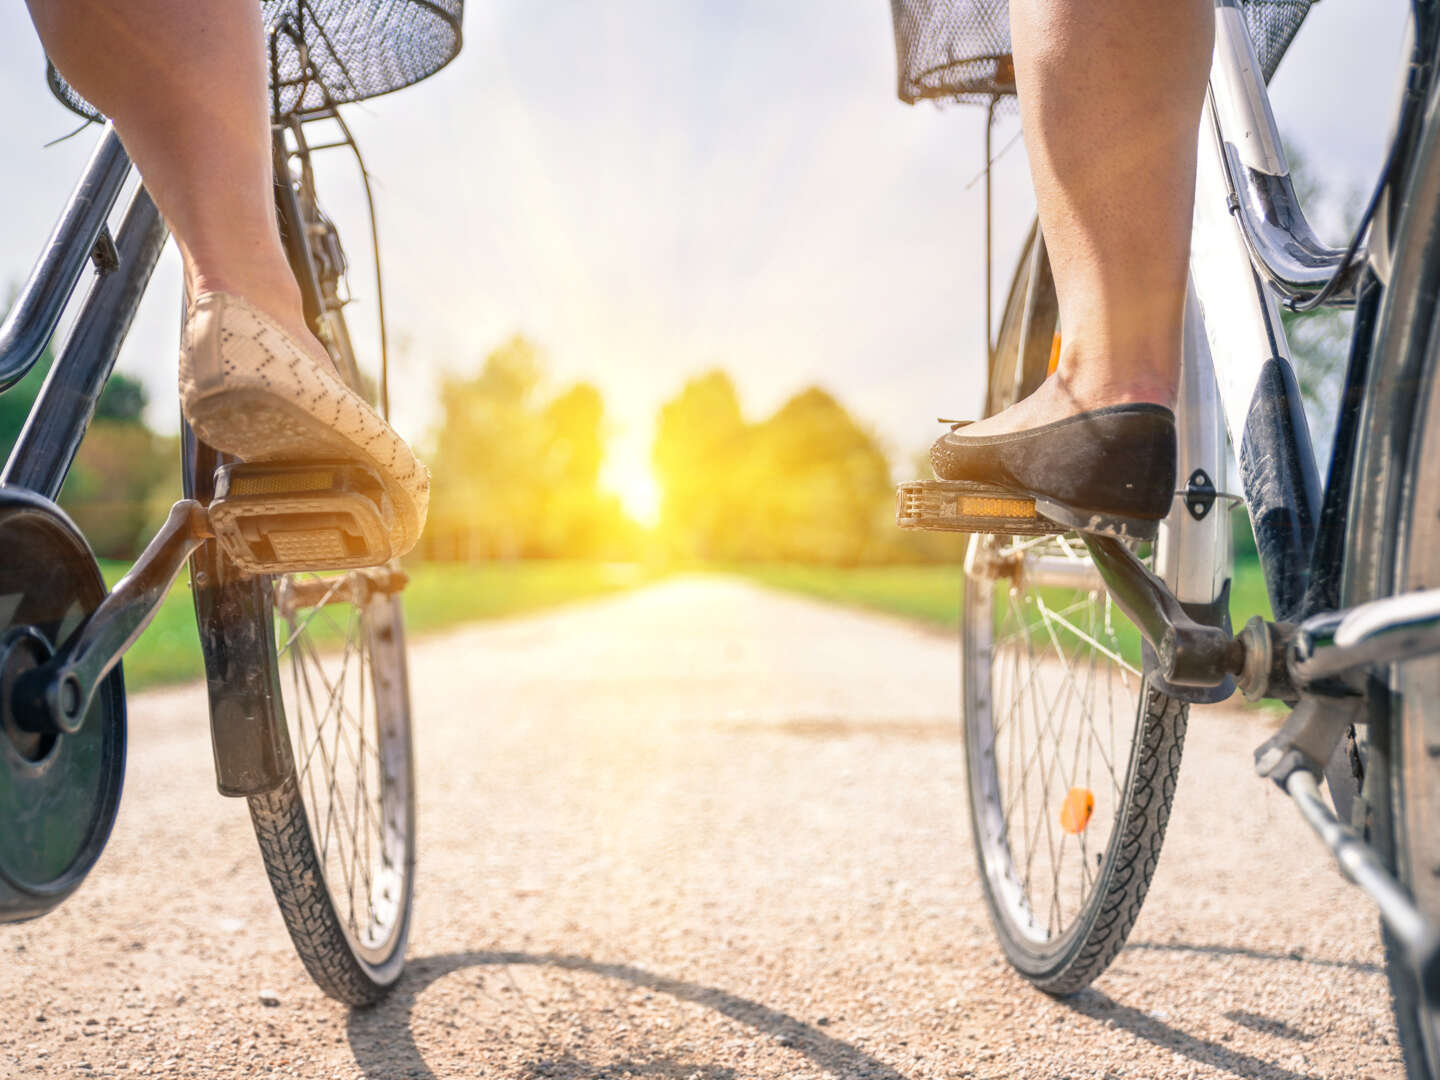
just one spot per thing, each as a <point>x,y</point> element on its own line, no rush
<point>692,187</point>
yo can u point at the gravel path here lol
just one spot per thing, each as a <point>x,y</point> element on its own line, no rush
<point>699,831</point>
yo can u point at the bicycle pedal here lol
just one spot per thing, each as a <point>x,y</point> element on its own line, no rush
<point>972,507</point>
<point>274,519</point>
<point>964,506</point>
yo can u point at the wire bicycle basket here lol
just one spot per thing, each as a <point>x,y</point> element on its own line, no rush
<point>959,50</point>
<point>329,52</point>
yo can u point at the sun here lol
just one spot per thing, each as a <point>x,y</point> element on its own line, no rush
<point>631,478</point>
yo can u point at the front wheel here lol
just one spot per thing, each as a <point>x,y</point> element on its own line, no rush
<point>318,661</point>
<point>1071,753</point>
<point>1072,758</point>
<point>338,838</point>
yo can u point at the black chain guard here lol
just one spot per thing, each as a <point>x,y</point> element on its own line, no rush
<point>58,793</point>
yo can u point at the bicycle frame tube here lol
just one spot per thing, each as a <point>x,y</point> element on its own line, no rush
<point>36,311</point>
<point>1258,390</point>
<point>1192,552</point>
<point>61,414</point>
<point>1260,193</point>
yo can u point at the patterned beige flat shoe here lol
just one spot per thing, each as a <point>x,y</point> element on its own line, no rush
<point>249,389</point>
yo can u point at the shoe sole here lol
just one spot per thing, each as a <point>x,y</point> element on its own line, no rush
<point>238,419</point>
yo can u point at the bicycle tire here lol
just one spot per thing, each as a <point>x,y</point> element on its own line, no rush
<point>316,895</point>
<point>303,883</point>
<point>1070,952</point>
<point>1393,546</point>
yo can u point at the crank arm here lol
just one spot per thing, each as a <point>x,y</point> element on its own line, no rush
<point>57,695</point>
<point>1188,653</point>
<point>1321,655</point>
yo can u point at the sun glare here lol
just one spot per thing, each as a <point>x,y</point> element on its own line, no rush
<point>634,482</point>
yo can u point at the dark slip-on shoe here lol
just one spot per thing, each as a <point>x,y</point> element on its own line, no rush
<point>1107,470</point>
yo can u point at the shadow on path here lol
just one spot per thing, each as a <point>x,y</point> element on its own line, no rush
<point>1098,1006</point>
<point>383,1039</point>
<point>1256,954</point>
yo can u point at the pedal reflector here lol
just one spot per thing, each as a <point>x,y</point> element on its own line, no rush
<point>274,519</point>
<point>963,506</point>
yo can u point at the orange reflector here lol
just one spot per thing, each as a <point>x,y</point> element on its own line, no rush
<point>1075,811</point>
<point>990,506</point>
<point>1054,355</point>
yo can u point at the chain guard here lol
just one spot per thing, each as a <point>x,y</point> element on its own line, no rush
<point>58,793</point>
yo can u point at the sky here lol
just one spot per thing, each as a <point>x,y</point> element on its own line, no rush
<point>648,189</point>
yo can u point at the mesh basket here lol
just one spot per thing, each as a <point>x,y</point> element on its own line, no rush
<point>358,48</point>
<point>959,50</point>
<point>955,50</point>
<point>1272,25</point>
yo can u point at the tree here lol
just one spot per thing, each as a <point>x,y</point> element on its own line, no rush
<point>516,474</point>
<point>700,436</point>
<point>124,476</point>
<point>807,484</point>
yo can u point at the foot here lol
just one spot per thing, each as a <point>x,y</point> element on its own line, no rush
<point>1058,398</point>
<point>253,389</point>
<point>1114,459</point>
<point>276,294</point>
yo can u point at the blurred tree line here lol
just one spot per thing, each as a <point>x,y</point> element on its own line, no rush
<point>516,474</point>
<point>125,476</point>
<point>807,484</point>
<point>515,471</point>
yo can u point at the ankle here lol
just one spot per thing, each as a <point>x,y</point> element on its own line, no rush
<point>1095,386</point>
<point>264,280</point>
<point>275,294</point>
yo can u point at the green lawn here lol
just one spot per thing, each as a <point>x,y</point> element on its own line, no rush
<point>931,593</point>
<point>438,596</point>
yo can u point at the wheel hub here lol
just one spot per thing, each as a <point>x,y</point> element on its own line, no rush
<point>22,650</point>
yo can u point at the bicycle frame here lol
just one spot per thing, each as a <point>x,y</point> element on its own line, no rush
<point>252,747</point>
<point>1251,246</point>
<point>43,454</point>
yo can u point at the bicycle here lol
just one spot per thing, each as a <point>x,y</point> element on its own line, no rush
<point>1083,651</point>
<point>296,595</point>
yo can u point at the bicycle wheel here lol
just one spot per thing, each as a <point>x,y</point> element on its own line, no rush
<point>326,652</point>
<point>1393,546</point>
<point>1072,756</point>
<point>338,838</point>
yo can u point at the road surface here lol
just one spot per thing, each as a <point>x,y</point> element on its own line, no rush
<point>702,831</point>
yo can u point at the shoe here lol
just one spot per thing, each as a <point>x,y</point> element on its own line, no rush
<point>1117,462</point>
<point>248,388</point>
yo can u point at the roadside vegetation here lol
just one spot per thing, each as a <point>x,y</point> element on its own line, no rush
<point>439,596</point>
<point>930,594</point>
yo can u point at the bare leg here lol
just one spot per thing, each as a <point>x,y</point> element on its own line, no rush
<point>1110,94</point>
<point>186,86</point>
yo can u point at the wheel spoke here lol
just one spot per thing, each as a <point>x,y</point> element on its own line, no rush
<point>1057,718</point>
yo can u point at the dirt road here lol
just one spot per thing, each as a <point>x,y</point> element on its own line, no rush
<point>696,831</point>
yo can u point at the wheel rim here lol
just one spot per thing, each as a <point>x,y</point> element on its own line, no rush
<point>1054,689</point>
<point>344,699</point>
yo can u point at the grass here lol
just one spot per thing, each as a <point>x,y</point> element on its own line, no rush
<point>438,596</point>
<point>931,593</point>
